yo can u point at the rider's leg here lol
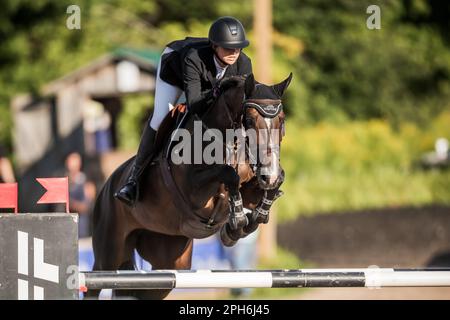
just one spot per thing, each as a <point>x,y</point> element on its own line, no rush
<point>165,95</point>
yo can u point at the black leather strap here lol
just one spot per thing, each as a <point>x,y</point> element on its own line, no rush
<point>267,108</point>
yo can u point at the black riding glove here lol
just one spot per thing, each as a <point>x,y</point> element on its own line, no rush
<point>222,85</point>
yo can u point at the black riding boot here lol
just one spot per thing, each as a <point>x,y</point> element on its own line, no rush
<point>127,194</point>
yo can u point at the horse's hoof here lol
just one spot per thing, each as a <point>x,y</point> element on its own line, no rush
<point>263,218</point>
<point>227,239</point>
<point>252,216</point>
<point>239,222</point>
<point>250,228</point>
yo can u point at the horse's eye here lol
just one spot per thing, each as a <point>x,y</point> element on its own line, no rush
<point>249,122</point>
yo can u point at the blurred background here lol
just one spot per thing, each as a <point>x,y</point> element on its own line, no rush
<point>368,120</point>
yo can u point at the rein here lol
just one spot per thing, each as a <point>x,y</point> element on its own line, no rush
<point>230,148</point>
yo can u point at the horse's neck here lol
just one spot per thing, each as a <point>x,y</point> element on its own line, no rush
<point>244,169</point>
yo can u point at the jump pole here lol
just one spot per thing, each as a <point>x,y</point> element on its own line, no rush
<point>40,261</point>
<point>303,278</point>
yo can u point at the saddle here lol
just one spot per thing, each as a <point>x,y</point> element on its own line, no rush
<point>168,125</point>
<point>191,224</point>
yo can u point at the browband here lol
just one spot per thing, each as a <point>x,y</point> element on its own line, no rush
<point>266,107</point>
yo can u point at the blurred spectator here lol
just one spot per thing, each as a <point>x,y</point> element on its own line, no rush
<point>81,193</point>
<point>243,256</point>
<point>97,128</point>
<point>6,170</point>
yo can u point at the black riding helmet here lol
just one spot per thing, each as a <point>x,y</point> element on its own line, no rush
<point>228,32</point>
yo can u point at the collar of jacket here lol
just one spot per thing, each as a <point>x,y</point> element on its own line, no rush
<point>210,66</point>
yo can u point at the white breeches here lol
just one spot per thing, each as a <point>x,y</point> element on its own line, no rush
<point>166,97</point>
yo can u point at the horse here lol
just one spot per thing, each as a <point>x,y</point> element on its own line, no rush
<point>179,202</point>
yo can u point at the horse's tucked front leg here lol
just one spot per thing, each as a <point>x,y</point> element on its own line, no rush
<point>230,179</point>
<point>238,218</point>
<point>261,213</point>
<point>233,230</point>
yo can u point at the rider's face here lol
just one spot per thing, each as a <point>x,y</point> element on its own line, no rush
<point>228,55</point>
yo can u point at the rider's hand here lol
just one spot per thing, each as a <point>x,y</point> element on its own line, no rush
<point>223,85</point>
<point>227,83</point>
<point>216,90</point>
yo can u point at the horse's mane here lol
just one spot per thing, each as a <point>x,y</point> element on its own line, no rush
<point>233,81</point>
<point>227,83</point>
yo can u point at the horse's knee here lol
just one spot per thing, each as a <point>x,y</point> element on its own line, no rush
<point>231,179</point>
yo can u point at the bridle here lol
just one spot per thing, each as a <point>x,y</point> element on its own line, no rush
<point>268,109</point>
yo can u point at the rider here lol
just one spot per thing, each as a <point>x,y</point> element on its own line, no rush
<point>193,67</point>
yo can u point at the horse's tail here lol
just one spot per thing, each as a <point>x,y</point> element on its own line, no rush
<point>105,209</point>
<point>109,188</point>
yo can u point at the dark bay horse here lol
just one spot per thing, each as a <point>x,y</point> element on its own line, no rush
<point>181,202</point>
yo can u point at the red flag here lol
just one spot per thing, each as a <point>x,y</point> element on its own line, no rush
<point>57,191</point>
<point>8,196</point>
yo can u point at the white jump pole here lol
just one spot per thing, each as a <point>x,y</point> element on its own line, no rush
<point>170,279</point>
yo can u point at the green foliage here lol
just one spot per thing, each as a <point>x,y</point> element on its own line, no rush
<point>135,113</point>
<point>342,70</point>
<point>401,72</point>
<point>23,53</point>
<point>359,108</point>
<point>360,164</point>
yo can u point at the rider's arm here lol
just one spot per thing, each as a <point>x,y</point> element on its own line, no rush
<point>245,64</point>
<point>197,100</point>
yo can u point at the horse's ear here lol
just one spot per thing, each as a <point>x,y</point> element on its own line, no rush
<point>249,85</point>
<point>282,86</point>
